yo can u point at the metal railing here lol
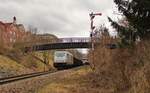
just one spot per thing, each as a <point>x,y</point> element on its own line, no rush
<point>62,40</point>
<point>72,40</point>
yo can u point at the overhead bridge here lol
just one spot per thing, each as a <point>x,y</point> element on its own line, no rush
<point>62,43</point>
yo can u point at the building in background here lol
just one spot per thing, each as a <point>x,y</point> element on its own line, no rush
<point>11,32</point>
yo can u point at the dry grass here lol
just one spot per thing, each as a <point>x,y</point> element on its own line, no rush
<point>73,82</point>
<point>123,70</point>
<point>49,56</point>
<point>37,64</point>
<point>9,67</point>
<point>22,64</point>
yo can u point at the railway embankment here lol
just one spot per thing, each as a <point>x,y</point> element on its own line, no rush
<point>9,67</point>
<point>23,64</point>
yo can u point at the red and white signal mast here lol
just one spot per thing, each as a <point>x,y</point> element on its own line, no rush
<point>92,16</point>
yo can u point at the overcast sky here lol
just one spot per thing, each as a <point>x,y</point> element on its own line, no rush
<point>64,18</point>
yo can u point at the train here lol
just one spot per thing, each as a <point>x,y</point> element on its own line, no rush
<point>65,59</point>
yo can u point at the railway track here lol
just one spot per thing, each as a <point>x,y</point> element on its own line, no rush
<point>26,76</point>
<point>21,77</point>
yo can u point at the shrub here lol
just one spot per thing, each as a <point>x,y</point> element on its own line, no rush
<point>122,69</point>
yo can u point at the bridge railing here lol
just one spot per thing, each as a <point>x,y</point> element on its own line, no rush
<point>63,40</point>
<point>73,40</point>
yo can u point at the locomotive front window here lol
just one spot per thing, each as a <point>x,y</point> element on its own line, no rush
<point>60,54</point>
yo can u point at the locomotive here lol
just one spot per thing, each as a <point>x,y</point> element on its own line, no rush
<point>63,59</point>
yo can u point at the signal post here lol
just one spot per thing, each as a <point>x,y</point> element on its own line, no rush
<point>92,16</point>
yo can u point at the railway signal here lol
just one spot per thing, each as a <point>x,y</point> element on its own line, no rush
<point>92,16</point>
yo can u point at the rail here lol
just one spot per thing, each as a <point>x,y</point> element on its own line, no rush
<point>26,76</point>
<point>21,77</point>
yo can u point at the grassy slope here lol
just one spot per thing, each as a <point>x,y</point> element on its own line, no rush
<point>29,64</point>
<point>10,67</point>
<point>50,58</point>
<point>35,61</point>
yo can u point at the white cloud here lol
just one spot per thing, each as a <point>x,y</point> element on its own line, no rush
<point>60,17</point>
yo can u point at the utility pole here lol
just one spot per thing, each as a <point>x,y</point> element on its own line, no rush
<point>92,16</point>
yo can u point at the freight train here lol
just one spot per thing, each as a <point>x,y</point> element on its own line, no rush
<point>63,59</point>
